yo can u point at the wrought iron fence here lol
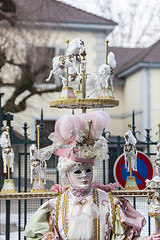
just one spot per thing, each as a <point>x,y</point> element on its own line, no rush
<point>25,208</point>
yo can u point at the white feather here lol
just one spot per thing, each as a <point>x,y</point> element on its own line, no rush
<point>112,60</point>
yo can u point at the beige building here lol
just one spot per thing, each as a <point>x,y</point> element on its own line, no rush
<point>137,88</point>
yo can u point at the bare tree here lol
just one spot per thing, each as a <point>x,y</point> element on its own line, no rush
<point>7,11</point>
<point>21,67</point>
<point>137,21</point>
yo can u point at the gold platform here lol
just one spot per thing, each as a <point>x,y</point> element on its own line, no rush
<point>50,195</point>
<point>88,103</point>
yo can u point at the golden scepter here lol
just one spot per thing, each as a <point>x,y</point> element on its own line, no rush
<point>67,41</point>
<point>7,128</point>
<point>38,144</point>
<point>42,187</point>
<point>107,41</point>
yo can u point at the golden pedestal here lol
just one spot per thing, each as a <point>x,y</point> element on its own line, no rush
<point>106,93</point>
<point>8,187</point>
<point>131,184</point>
<point>78,94</point>
<point>67,93</point>
<point>38,188</point>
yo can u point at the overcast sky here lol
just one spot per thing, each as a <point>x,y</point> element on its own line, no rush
<point>93,6</point>
<point>146,20</point>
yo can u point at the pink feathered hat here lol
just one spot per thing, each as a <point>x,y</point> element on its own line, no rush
<point>79,137</point>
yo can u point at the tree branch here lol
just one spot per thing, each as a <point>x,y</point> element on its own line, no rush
<point>14,108</point>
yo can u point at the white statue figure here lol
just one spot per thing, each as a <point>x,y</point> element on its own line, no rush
<point>106,71</point>
<point>7,151</point>
<point>38,164</point>
<point>130,152</point>
<point>72,58</point>
<point>157,161</point>
<point>105,77</point>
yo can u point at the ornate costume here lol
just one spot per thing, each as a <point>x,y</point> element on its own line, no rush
<point>98,215</point>
<point>83,210</point>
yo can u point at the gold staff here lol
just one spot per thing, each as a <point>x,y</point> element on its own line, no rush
<point>89,123</point>
<point>38,145</point>
<point>83,54</point>
<point>7,128</point>
<point>67,41</point>
<point>107,41</point>
<point>38,142</point>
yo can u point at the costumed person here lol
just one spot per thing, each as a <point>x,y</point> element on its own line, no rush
<point>83,210</point>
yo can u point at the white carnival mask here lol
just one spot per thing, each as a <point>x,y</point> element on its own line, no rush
<point>81,175</point>
<point>82,170</point>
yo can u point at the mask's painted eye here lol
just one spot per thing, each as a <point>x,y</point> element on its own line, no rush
<point>78,172</point>
<point>88,170</point>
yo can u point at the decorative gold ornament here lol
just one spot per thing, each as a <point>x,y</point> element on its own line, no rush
<point>38,188</point>
<point>131,183</point>
<point>67,93</point>
<point>106,93</point>
<point>87,103</point>
<point>78,94</point>
<point>79,100</point>
<point>8,187</point>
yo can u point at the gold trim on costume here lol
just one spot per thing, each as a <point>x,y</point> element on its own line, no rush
<point>57,211</point>
<point>157,223</point>
<point>50,227</point>
<point>65,212</point>
<point>95,221</point>
<point>98,217</point>
<point>96,201</point>
<point>112,211</point>
<point>154,215</point>
<point>119,215</point>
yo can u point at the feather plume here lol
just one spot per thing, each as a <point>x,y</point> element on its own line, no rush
<point>112,60</point>
<point>66,124</point>
<point>100,121</point>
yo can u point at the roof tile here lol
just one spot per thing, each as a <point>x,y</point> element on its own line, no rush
<point>54,11</point>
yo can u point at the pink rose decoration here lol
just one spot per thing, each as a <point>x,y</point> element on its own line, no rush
<point>106,188</point>
<point>59,188</point>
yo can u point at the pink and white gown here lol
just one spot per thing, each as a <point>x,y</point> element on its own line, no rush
<point>98,216</point>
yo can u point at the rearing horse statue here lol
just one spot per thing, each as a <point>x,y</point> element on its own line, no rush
<point>7,152</point>
<point>72,58</point>
<point>130,151</point>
